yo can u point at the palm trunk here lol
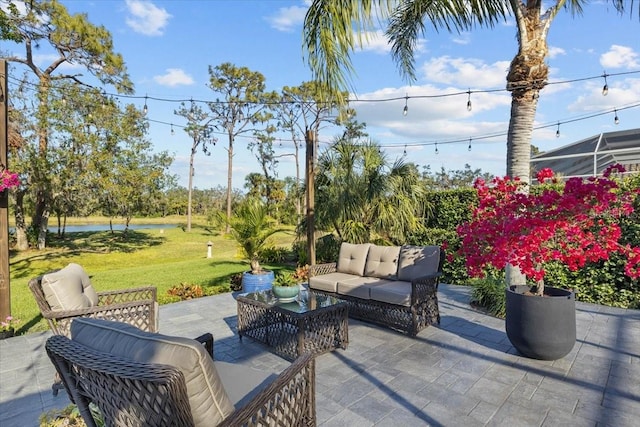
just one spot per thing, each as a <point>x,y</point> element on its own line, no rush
<point>528,74</point>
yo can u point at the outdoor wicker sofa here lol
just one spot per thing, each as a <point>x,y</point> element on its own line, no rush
<point>394,286</point>
<point>137,378</point>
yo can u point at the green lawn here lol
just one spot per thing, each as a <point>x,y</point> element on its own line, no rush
<point>162,258</point>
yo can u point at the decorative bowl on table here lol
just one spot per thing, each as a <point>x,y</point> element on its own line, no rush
<point>286,293</point>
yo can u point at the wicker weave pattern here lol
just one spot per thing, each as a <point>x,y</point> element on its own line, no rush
<point>143,394</point>
<point>291,334</point>
<point>422,312</point>
<point>127,393</point>
<point>135,306</point>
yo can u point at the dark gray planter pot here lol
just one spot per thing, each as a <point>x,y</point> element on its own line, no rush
<point>541,327</point>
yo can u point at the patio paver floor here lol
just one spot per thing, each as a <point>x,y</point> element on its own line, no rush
<point>461,373</point>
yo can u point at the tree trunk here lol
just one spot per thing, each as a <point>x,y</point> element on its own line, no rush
<point>229,181</point>
<point>310,139</point>
<point>190,192</point>
<point>22,240</point>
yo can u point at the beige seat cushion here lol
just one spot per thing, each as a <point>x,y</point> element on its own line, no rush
<point>329,282</point>
<point>208,400</point>
<point>359,287</point>
<point>242,383</point>
<point>382,261</point>
<point>352,258</point>
<point>398,293</point>
<point>418,261</point>
<point>69,289</point>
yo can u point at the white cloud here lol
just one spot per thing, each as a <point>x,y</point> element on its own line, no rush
<point>146,18</point>
<point>620,57</point>
<point>374,41</point>
<point>287,18</point>
<point>555,51</point>
<point>463,39</point>
<point>461,71</point>
<point>621,92</point>
<point>174,77</point>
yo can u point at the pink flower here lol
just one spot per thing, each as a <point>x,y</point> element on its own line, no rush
<point>574,225</point>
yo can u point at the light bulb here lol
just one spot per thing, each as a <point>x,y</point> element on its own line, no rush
<point>405,110</point>
<point>616,120</point>
<point>173,132</point>
<point>605,89</point>
<point>558,133</point>
<point>469,105</point>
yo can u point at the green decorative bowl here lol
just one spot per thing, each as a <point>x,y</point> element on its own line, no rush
<point>286,293</point>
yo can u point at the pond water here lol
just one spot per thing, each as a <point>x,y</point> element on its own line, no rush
<point>105,227</point>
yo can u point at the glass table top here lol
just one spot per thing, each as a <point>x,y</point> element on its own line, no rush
<point>305,301</point>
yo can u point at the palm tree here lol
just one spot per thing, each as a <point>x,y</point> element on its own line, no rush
<point>333,28</point>
<point>362,196</point>
<point>251,227</point>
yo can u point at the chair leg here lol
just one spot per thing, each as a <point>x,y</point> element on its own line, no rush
<point>57,384</point>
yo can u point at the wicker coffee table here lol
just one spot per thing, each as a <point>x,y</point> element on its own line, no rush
<point>317,325</point>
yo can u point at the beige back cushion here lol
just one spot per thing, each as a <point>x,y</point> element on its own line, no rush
<point>207,398</point>
<point>418,261</point>
<point>382,262</point>
<point>69,289</point>
<point>352,258</point>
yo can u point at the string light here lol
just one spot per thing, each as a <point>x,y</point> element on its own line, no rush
<point>406,97</point>
<point>437,147</point>
<point>405,110</point>
<point>469,148</point>
<point>469,100</point>
<point>605,88</point>
<point>173,132</point>
<point>616,120</point>
<point>405,150</point>
<point>145,109</point>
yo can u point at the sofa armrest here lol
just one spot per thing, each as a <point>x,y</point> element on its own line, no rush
<point>127,295</point>
<point>320,269</point>
<point>289,400</point>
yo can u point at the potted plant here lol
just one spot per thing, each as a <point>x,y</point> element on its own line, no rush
<point>8,327</point>
<point>286,286</point>
<point>572,224</point>
<point>251,227</point>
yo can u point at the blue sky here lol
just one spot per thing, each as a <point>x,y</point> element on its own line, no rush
<point>168,46</point>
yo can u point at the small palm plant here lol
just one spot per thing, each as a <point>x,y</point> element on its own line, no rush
<point>251,226</point>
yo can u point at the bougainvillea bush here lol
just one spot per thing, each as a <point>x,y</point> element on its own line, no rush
<point>573,226</point>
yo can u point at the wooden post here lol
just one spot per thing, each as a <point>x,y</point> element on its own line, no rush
<point>310,141</point>
<point>5,288</point>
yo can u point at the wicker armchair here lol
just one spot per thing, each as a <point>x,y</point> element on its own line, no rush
<point>130,393</point>
<point>136,306</point>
